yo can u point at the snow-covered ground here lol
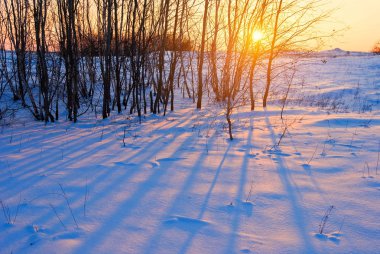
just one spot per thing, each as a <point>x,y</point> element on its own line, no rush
<point>176,184</point>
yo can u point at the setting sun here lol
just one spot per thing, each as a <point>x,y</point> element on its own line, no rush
<point>257,35</point>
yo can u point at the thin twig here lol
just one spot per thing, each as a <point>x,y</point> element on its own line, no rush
<point>325,218</point>
<point>250,192</point>
<point>6,212</point>
<point>282,136</point>
<point>124,136</point>
<point>56,214</point>
<point>312,157</point>
<point>85,199</point>
<point>366,164</point>
<point>17,209</point>
<point>378,158</point>
<point>68,205</point>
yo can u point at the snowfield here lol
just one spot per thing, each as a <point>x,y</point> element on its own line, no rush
<point>177,184</point>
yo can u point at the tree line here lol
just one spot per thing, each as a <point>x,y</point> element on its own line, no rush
<point>131,55</point>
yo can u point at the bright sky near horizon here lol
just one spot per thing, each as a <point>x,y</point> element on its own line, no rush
<point>361,18</point>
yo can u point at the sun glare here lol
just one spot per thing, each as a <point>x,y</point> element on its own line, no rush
<point>257,35</point>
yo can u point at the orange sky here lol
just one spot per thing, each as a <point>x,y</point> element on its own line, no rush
<point>362,20</point>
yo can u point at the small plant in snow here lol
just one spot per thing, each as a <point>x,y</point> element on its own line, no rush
<point>85,199</point>
<point>324,219</point>
<point>312,157</point>
<point>68,204</point>
<point>378,158</point>
<point>323,153</point>
<point>56,214</point>
<point>125,131</point>
<point>285,129</point>
<point>7,212</point>
<point>249,193</point>
<point>366,169</point>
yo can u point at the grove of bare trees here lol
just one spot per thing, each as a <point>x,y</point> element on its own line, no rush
<point>70,57</point>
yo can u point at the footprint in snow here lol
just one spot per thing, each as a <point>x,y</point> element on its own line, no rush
<point>170,159</point>
<point>245,207</point>
<point>125,164</point>
<point>278,153</point>
<point>334,237</point>
<point>68,235</point>
<point>37,234</point>
<point>152,164</point>
<point>186,223</point>
<point>254,155</point>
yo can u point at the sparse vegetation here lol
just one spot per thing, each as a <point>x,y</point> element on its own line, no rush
<point>325,217</point>
<point>90,99</point>
<point>376,48</point>
<point>9,216</point>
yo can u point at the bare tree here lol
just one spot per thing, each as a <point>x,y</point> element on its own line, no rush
<point>4,75</point>
<point>141,51</point>
<point>17,13</point>
<point>278,11</point>
<point>67,12</point>
<point>201,55</point>
<point>213,64</point>
<point>40,9</point>
<point>293,29</point>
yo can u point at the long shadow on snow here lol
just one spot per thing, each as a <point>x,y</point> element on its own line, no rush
<point>189,183</point>
<point>297,214</point>
<point>34,179</point>
<point>44,217</point>
<point>31,175</point>
<point>124,210</point>
<point>186,187</point>
<point>235,225</point>
<point>191,236</point>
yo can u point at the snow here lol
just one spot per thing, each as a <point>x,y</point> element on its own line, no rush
<point>180,186</point>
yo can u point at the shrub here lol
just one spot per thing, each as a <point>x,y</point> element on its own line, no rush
<point>376,48</point>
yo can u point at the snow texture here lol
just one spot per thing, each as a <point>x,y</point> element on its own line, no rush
<point>180,186</point>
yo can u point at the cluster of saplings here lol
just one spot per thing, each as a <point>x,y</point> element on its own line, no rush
<point>91,46</point>
<point>104,55</point>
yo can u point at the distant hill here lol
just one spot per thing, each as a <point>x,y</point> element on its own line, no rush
<point>337,52</point>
